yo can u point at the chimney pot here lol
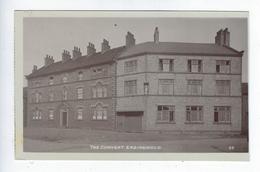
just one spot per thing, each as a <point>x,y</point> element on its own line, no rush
<point>34,68</point>
<point>66,55</point>
<point>105,46</point>
<point>76,52</point>
<point>156,35</point>
<point>130,40</point>
<point>91,49</point>
<point>223,37</point>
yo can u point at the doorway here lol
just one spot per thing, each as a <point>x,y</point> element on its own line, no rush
<point>64,119</point>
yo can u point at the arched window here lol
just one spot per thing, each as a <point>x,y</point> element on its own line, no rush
<point>37,114</point>
<point>99,112</point>
<point>99,90</point>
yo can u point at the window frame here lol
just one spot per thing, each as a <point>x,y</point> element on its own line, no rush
<point>80,76</point>
<point>51,114</point>
<point>218,109</point>
<point>80,95</point>
<point>163,112</point>
<point>51,80</point>
<point>130,66</point>
<point>190,116</point>
<point>225,61</point>
<point>162,62</point>
<point>200,65</point>
<point>165,84</point>
<point>99,110</point>
<point>189,90</point>
<point>80,112</point>
<point>218,85</point>
<point>127,87</point>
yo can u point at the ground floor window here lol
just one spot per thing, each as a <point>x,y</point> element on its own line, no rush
<point>51,114</point>
<point>165,113</point>
<point>222,114</point>
<point>194,114</point>
<point>37,115</point>
<point>99,113</point>
<point>80,113</point>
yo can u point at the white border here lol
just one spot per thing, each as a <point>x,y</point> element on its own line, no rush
<point>6,79</point>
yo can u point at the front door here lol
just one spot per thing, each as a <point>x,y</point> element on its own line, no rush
<point>64,119</point>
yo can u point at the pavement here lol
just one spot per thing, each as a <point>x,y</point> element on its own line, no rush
<point>85,140</point>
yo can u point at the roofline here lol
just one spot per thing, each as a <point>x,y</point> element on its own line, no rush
<point>197,54</point>
<point>52,73</point>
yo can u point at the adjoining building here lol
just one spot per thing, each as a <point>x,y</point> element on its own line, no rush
<point>78,91</point>
<point>151,86</point>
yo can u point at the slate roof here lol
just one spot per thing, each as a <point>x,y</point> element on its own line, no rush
<point>80,62</point>
<point>176,48</point>
<point>180,48</point>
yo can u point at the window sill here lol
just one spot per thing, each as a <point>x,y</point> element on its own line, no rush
<point>162,122</point>
<point>99,120</point>
<point>193,122</point>
<point>222,123</point>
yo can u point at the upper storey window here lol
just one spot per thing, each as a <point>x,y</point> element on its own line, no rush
<point>99,71</point>
<point>130,87</point>
<point>194,87</point>
<point>80,93</point>
<point>130,66</point>
<point>38,97</point>
<point>80,75</point>
<point>166,65</point>
<point>51,80</point>
<point>65,78</point>
<point>222,66</point>
<point>194,66</point>
<point>223,87</point>
<point>99,90</point>
<point>166,86</point>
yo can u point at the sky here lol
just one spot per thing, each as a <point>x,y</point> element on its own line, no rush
<point>51,35</point>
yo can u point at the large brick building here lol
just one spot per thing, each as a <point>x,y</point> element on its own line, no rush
<point>137,87</point>
<point>78,91</point>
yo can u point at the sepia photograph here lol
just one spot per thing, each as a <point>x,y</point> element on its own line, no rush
<point>127,84</point>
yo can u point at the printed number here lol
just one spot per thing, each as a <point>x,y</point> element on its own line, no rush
<point>231,147</point>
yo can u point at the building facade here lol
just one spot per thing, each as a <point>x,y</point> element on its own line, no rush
<point>179,86</point>
<point>76,92</point>
<point>151,86</point>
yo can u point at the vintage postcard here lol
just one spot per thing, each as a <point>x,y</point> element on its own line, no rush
<point>131,85</point>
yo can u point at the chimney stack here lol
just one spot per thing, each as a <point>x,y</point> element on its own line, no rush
<point>130,40</point>
<point>105,46</point>
<point>156,35</point>
<point>34,68</point>
<point>223,37</point>
<point>91,49</point>
<point>48,60</point>
<point>65,55</point>
<point>76,53</point>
